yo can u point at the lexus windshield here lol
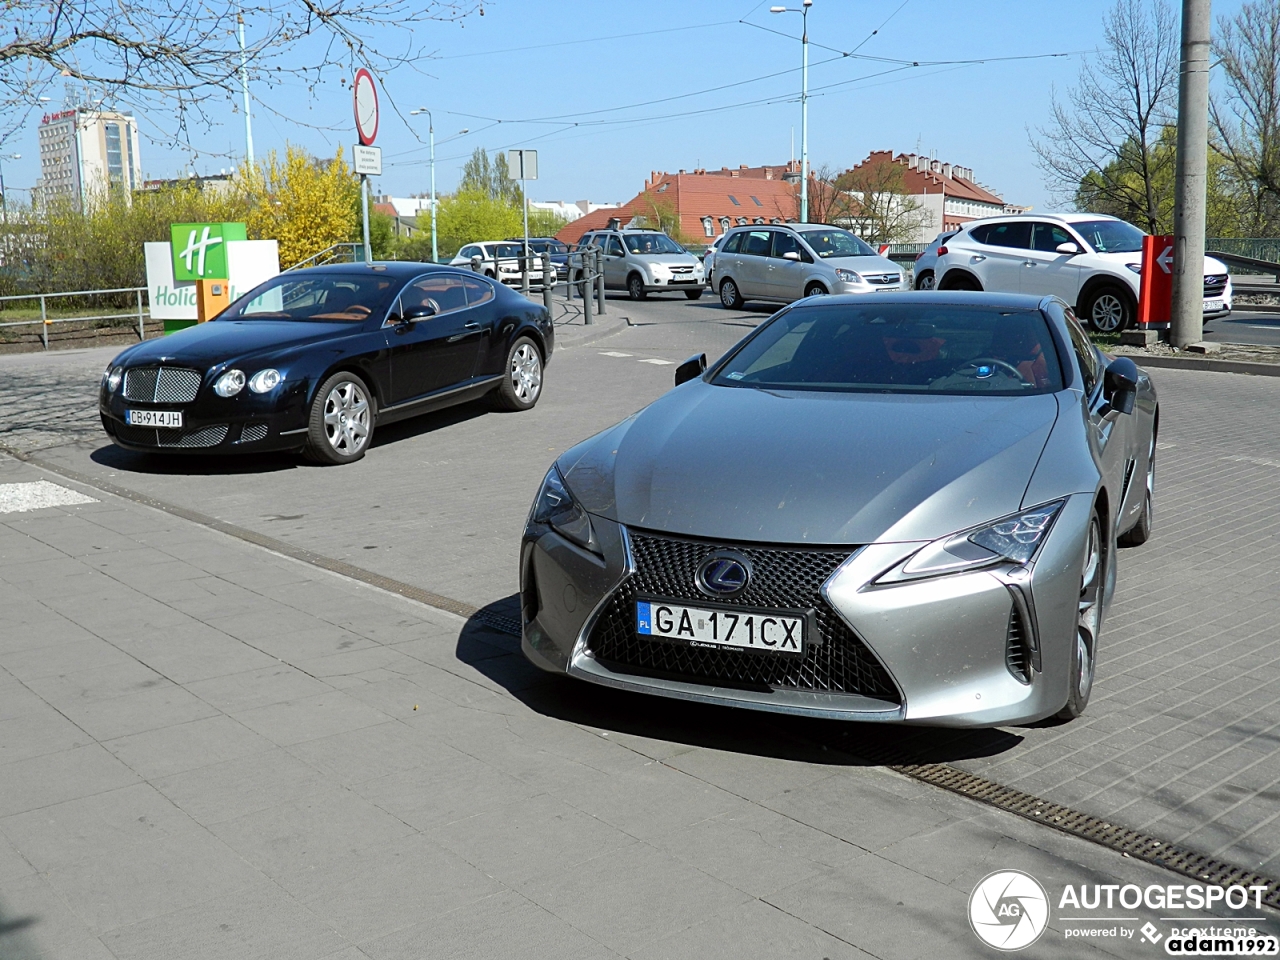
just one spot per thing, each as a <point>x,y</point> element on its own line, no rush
<point>327,298</point>
<point>899,348</point>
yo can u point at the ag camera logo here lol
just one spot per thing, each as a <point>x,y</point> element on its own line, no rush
<point>1008,910</point>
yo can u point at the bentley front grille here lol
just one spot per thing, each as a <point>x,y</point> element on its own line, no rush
<point>787,578</point>
<point>162,384</point>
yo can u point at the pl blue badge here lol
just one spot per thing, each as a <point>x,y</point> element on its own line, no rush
<point>1008,910</point>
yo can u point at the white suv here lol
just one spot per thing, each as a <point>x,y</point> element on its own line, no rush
<point>1087,259</point>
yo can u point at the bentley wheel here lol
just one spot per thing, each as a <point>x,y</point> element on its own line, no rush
<point>522,380</point>
<point>342,419</point>
<point>1084,652</point>
<point>730,298</point>
<point>1108,310</point>
<point>1140,532</point>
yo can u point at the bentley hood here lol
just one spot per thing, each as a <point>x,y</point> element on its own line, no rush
<point>208,344</point>
<point>737,463</point>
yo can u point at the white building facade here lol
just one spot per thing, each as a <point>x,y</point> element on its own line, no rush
<point>88,153</point>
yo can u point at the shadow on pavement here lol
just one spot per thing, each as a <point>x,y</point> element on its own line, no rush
<point>496,654</point>
<point>13,942</point>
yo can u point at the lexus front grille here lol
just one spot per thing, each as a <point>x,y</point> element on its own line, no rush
<point>1017,647</point>
<point>785,578</point>
<point>162,384</point>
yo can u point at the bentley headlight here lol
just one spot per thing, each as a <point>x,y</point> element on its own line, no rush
<point>1011,540</point>
<point>847,276</point>
<point>264,381</point>
<point>229,384</point>
<point>111,378</point>
<point>556,508</point>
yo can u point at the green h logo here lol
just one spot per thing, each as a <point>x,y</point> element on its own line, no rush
<point>200,249</point>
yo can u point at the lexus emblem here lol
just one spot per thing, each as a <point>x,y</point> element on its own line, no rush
<point>724,574</point>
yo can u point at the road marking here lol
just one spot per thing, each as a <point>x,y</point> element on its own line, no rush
<point>660,363</point>
<point>613,353</point>
<point>21,497</point>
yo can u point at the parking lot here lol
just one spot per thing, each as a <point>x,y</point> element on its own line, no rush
<point>280,761</point>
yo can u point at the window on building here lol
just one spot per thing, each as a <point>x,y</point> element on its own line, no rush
<point>734,200</point>
<point>756,201</point>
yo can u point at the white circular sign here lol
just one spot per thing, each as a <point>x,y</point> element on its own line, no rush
<point>1009,910</point>
<point>366,106</point>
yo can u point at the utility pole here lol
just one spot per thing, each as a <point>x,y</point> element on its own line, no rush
<point>1191,175</point>
<point>244,88</point>
<point>804,104</point>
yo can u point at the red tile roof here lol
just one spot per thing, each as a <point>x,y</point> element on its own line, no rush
<point>945,178</point>
<point>745,199</point>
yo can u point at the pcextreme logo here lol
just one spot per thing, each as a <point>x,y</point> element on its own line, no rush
<point>1008,910</point>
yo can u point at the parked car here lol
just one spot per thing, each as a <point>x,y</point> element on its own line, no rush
<point>709,259</point>
<point>558,251</point>
<point>926,258</point>
<point>898,507</point>
<point>1089,260</point>
<point>646,261</point>
<point>782,263</point>
<point>499,260</point>
<point>314,360</point>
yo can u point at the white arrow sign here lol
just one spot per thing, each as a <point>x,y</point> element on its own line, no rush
<point>1166,260</point>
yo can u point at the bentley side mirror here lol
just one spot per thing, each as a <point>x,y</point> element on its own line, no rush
<point>691,369</point>
<point>791,255</point>
<point>1071,249</point>
<point>420,312</point>
<point>1119,387</point>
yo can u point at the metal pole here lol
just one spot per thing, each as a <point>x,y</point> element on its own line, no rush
<point>244,88</point>
<point>1191,175</point>
<point>44,324</point>
<point>569,278</point>
<point>804,117</point>
<point>4,200</point>
<point>431,133</point>
<point>524,202</point>
<point>586,300</point>
<point>364,209</point>
<point>548,280</point>
<point>599,258</point>
<point>142,330</point>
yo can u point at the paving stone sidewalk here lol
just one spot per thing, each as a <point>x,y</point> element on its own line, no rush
<point>210,751</point>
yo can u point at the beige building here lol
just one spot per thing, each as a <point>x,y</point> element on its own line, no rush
<point>85,153</point>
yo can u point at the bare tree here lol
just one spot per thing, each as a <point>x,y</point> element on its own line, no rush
<point>163,52</point>
<point>1106,133</point>
<point>827,202</point>
<point>1247,120</point>
<point>879,207</point>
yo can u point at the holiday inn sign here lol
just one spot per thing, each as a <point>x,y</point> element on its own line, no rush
<point>200,249</point>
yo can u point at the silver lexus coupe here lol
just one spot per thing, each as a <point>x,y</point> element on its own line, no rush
<point>889,507</point>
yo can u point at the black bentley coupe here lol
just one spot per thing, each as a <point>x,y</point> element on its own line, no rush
<point>314,360</point>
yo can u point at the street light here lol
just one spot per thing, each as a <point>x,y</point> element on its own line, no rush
<point>4,200</point>
<point>431,133</point>
<point>804,105</point>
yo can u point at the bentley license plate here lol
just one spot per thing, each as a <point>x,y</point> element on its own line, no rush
<point>166,419</point>
<point>740,629</point>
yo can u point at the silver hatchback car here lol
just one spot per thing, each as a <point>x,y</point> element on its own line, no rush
<point>782,263</point>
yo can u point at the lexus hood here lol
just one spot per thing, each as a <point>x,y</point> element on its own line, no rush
<point>733,463</point>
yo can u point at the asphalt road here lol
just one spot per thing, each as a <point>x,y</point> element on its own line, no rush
<point>1246,326</point>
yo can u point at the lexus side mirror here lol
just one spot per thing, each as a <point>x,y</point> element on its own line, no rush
<point>691,369</point>
<point>1068,248</point>
<point>1120,386</point>
<point>791,255</point>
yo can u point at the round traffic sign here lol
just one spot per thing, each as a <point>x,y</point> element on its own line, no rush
<point>366,106</point>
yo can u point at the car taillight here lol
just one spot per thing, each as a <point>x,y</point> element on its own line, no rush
<point>920,254</point>
<point>942,251</point>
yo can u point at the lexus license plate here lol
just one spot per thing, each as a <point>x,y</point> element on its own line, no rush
<point>740,629</point>
<point>165,419</point>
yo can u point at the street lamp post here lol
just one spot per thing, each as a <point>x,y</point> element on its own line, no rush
<point>4,199</point>
<point>804,104</point>
<point>431,136</point>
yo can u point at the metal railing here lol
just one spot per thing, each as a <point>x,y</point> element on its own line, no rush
<point>337,253</point>
<point>45,322</point>
<point>584,269</point>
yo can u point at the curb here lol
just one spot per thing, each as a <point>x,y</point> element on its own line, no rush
<point>1211,366</point>
<point>578,335</point>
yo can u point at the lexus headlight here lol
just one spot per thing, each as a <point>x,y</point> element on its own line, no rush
<point>1011,540</point>
<point>264,381</point>
<point>847,276</point>
<point>111,378</point>
<point>229,384</point>
<point>556,508</point>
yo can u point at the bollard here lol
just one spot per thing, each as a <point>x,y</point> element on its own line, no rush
<point>524,271</point>
<point>477,264</point>
<point>142,330</point>
<point>600,281</point>
<point>568,275</point>
<point>548,280</point>
<point>586,308</point>
<point>44,324</point>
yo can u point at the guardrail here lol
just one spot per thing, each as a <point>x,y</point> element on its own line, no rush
<point>337,253</point>
<point>47,321</point>
<point>584,269</point>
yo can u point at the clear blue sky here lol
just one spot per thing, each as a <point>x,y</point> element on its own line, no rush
<point>528,60</point>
